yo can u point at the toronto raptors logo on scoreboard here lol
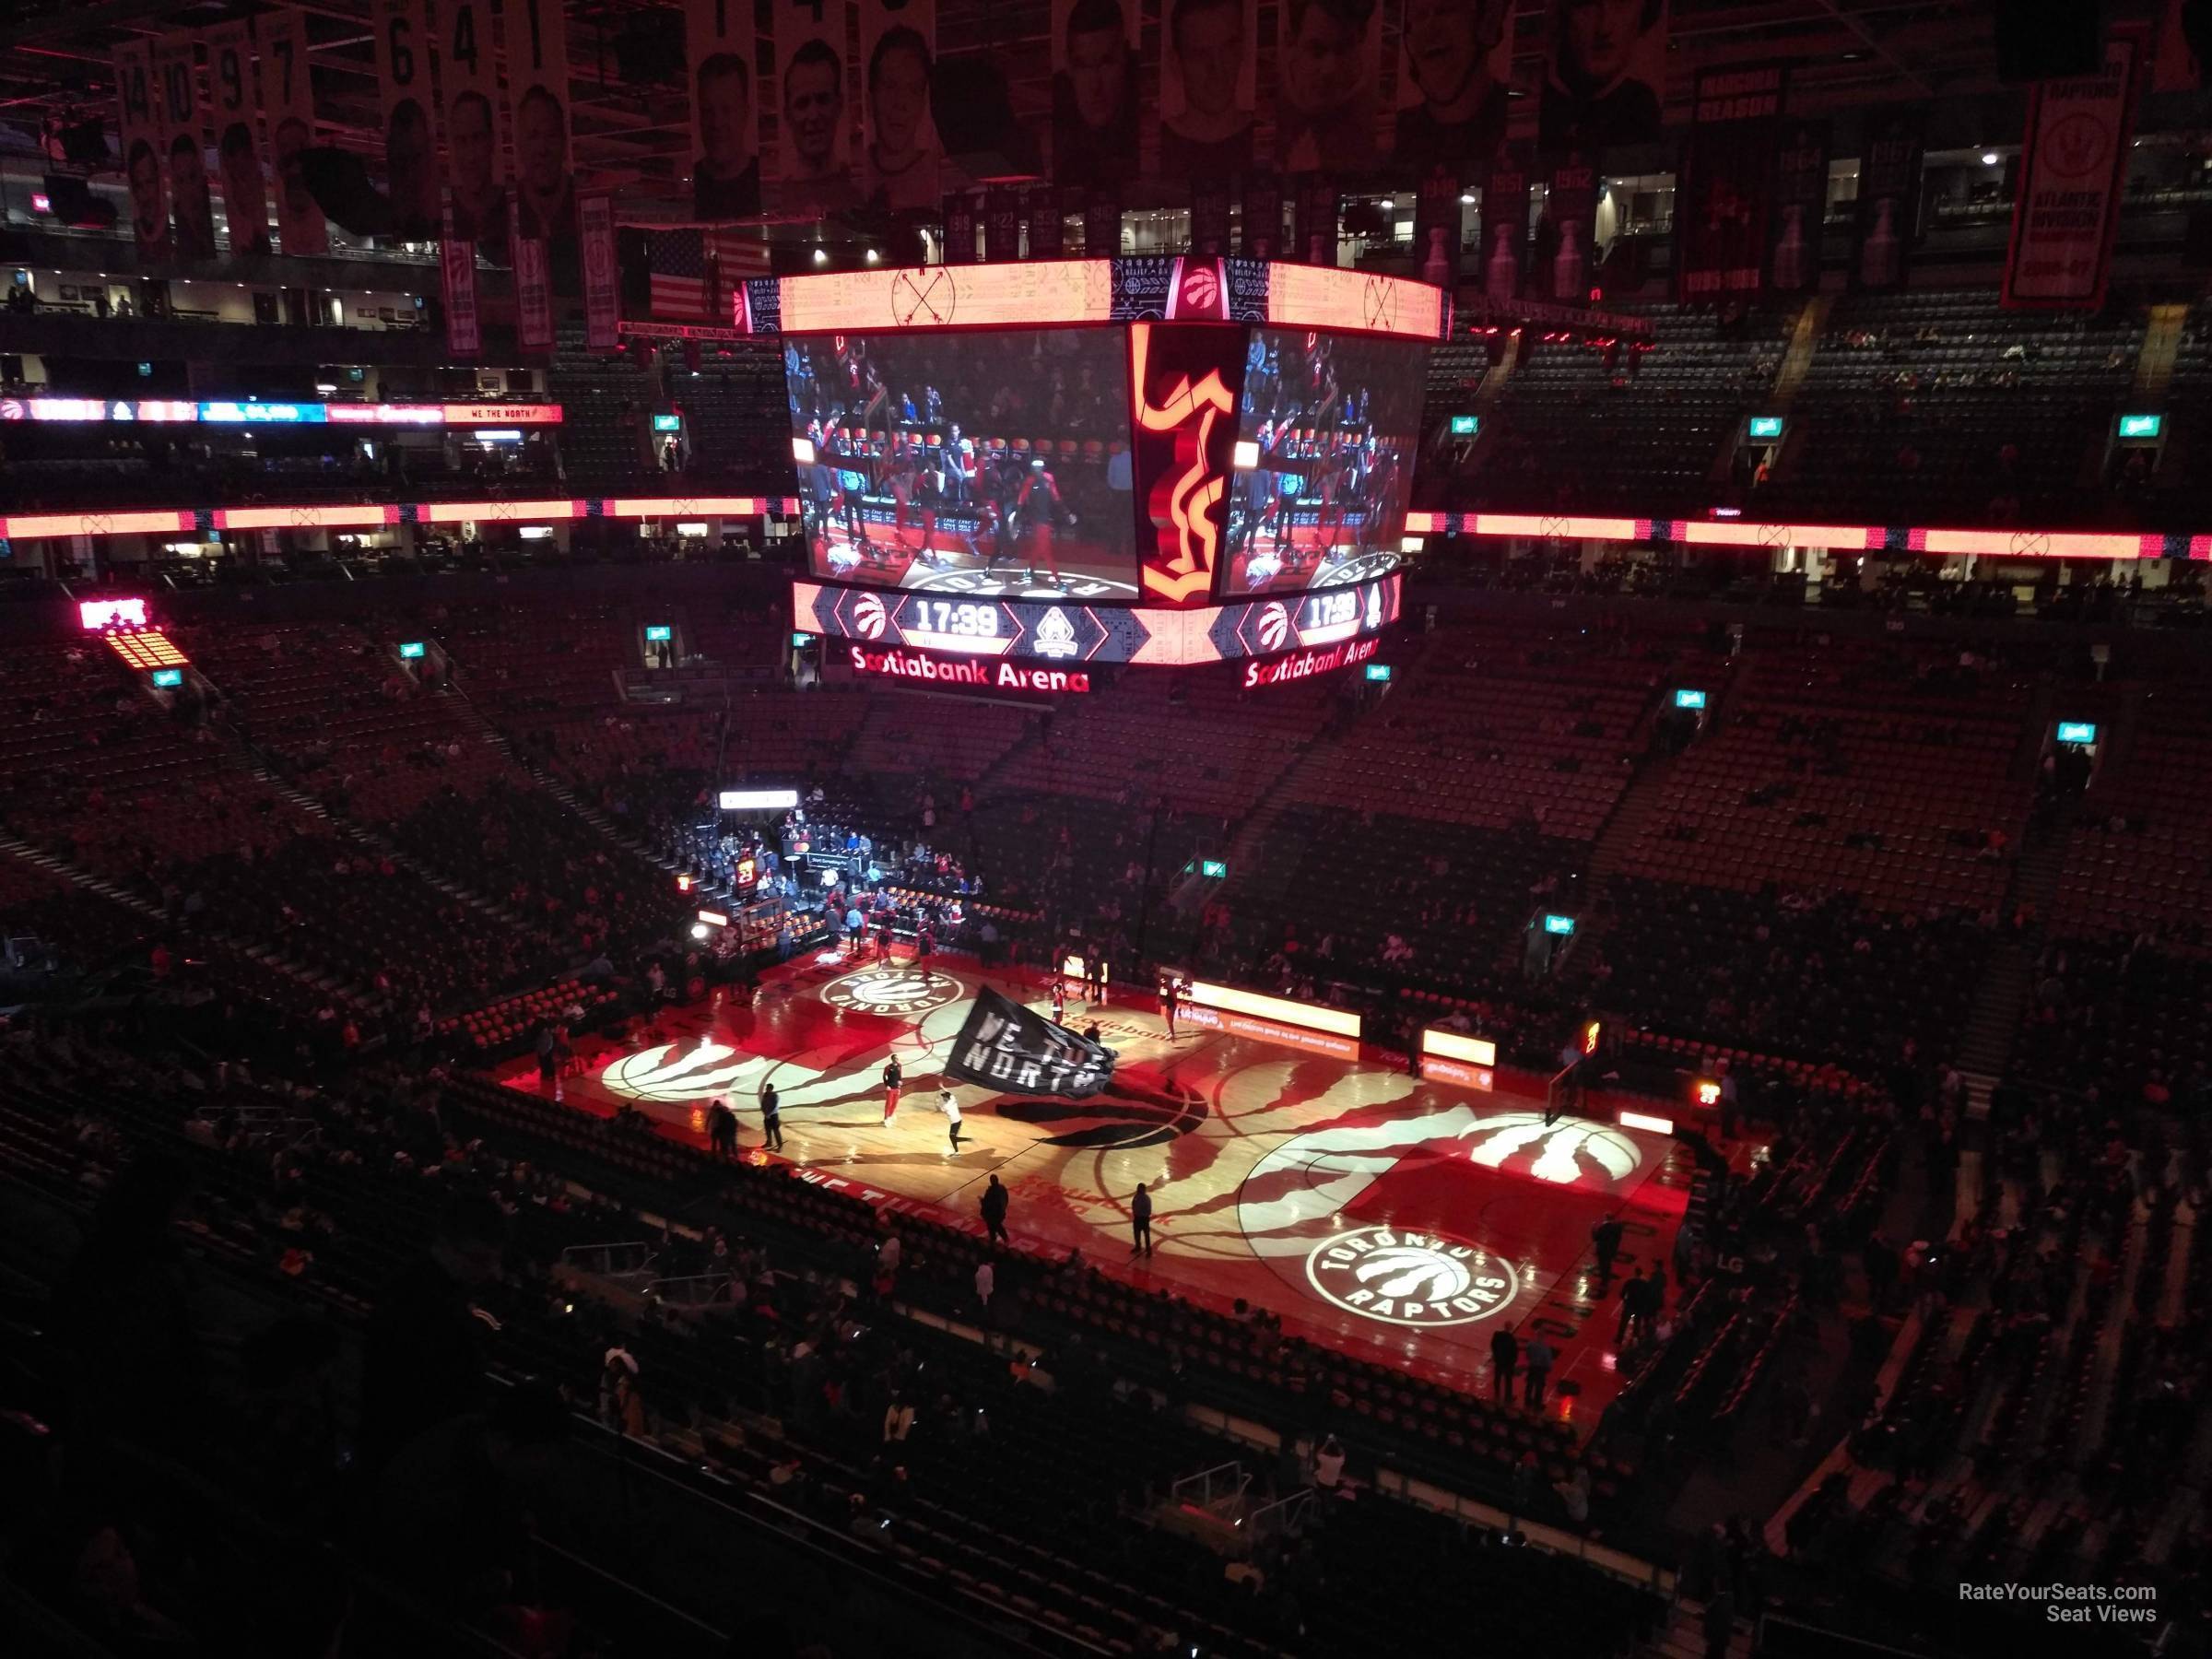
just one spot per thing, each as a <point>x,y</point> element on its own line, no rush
<point>868,616</point>
<point>1274,626</point>
<point>1411,1278</point>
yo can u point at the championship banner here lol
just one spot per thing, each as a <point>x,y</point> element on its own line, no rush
<point>1721,192</point>
<point>288,99</point>
<point>1210,217</point>
<point>1103,224</point>
<point>1262,224</point>
<point>1048,222</point>
<point>1003,1045</point>
<point>144,166</point>
<point>533,295</point>
<point>537,90</point>
<point>233,94</point>
<point>1564,238</point>
<point>402,78</point>
<point>183,149</point>
<point>813,153</point>
<point>1436,226</point>
<point>898,55</point>
<point>1605,79</point>
<point>1094,90</point>
<point>1504,228</point>
<point>960,228</point>
<point>726,113</point>
<point>1328,72</point>
<point>468,102</point>
<point>1455,75</point>
<point>1800,206</point>
<point>2072,174</point>
<point>1313,216</point>
<point>1209,74</point>
<point>1001,225</point>
<point>602,276</point>
<point>1888,206</point>
<point>457,265</point>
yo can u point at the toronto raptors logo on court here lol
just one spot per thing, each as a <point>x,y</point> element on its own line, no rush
<point>1411,1278</point>
<point>890,991</point>
<point>867,615</point>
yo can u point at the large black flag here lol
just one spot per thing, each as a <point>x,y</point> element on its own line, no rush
<point>1005,1046</point>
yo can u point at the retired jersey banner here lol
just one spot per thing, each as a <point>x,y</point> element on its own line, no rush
<point>1003,1045</point>
<point>1095,98</point>
<point>1048,222</point>
<point>537,91</point>
<point>403,77</point>
<point>1504,228</point>
<point>897,53</point>
<point>457,266</point>
<point>287,98</point>
<point>814,124</point>
<point>726,113</point>
<point>468,98</point>
<point>960,228</point>
<point>183,149</point>
<point>1891,148</point>
<point>145,168</point>
<point>2072,174</point>
<point>1210,74</point>
<point>235,101</point>
<point>1800,203</point>
<point>1456,76</point>
<point>602,276</point>
<point>533,295</point>
<point>1001,225</point>
<point>1328,72</point>
<point>1721,192</point>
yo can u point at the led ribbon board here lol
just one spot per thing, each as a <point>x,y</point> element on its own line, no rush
<point>1838,539</point>
<point>1072,634</point>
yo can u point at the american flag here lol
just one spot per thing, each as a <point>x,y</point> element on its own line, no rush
<point>695,272</point>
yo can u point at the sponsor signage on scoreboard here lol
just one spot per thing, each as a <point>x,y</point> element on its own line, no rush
<point>1078,635</point>
<point>995,676</point>
<point>1305,664</point>
<point>252,413</point>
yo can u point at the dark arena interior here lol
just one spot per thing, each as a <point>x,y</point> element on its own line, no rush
<point>1220,829</point>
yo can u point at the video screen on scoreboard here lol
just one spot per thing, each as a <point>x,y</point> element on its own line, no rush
<point>1330,422</point>
<point>967,462</point>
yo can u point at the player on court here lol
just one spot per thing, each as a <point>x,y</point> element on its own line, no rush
<point>950,1103</point>
<point>1059,999</point>
<point>892,1077</point>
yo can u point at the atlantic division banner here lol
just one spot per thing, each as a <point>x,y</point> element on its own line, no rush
<point>1721,194</point>
<point>457,267</point>
<point>1891,143</point>
<point>602,277</point>
<point>2072,174</point>
<point>1801,151</point>
<point>288,97</point>
<point>232,95</point>
<point>726,113</point>
<point>1003,1045</point>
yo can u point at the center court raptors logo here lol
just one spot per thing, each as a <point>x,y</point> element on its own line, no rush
<point>891,991</point>
<point>868,616</point>
<point>1411,1278</point>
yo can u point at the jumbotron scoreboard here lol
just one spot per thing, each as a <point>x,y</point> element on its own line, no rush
<point>1152,461</point>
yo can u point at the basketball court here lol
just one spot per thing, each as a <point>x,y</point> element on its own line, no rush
<point>1376,1213</point>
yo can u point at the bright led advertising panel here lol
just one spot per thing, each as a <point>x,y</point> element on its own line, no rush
<point>992,461</point>
<point>1328,423</point>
